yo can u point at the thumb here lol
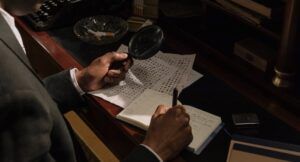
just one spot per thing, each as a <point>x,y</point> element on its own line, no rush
<point>115,56</point>
<point>161,109</point>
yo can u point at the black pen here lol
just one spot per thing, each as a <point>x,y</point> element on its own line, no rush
<point>175,96</point>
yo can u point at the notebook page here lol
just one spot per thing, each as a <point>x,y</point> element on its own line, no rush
<point>139,113</point>
<point>203,125</point>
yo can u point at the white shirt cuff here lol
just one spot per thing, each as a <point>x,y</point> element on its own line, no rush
<point>154,153</point>
<point>74,80</point>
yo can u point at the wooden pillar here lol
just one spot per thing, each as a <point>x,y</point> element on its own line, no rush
<point>285,67</point>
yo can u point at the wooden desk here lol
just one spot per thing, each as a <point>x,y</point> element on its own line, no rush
<point>48,57</point>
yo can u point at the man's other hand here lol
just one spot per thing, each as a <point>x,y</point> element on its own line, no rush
<point>169,131</point>
<point>99,74</point>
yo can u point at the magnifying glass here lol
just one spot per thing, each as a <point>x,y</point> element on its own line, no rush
<point>143,44</point>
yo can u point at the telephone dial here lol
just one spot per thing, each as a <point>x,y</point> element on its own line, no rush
<point>59,13</point>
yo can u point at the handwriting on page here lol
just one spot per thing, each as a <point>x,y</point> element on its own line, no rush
<point>202,123</point>
<point>184,64</point>
<point>183,76</point>
<point>144,106</point>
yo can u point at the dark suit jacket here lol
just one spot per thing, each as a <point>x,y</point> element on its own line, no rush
<point>31,124</point>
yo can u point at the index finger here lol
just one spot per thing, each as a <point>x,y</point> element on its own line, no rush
<point>115,56</point>
<point>177,110</point>
<point>161,109</point>
<point>127,64</point>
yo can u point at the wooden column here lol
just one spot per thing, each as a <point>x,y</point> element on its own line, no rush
<point>285,67</point>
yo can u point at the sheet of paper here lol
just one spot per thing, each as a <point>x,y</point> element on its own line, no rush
<point>181,78</point>
<point>143,74</point>
<point>162,73</point>
<point>192,78</point>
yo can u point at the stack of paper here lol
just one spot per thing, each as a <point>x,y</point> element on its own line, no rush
<point>162,72</point>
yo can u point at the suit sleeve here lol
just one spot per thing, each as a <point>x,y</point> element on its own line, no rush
<point>140,154</point>
<point>62,90</point>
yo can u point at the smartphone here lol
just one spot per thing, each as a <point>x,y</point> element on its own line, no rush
<point>245,120</point>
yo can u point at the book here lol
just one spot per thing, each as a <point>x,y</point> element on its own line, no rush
<point>249,149</point>
<point>146,8</point>
<point>204,124</point>
<point>248,15</point>
<point>266,8</point>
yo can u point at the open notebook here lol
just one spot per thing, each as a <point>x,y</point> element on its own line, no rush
<point>204,125</point>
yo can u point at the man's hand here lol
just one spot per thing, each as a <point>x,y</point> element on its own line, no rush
<point>169,131</point>
<point>99,73</point>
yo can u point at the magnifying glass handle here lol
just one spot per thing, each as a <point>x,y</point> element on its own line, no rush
<point>122,64</point>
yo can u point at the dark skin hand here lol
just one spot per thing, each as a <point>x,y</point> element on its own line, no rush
<point>169,131</point>
<point>99,73</point>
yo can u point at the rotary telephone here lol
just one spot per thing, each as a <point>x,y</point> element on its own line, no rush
<point>59,13</point>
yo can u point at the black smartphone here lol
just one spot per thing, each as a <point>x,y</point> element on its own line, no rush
<point>245,120</point>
